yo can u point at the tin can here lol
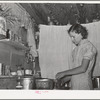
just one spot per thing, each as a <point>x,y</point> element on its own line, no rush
<point>28,83</point>
<point>98,82</point>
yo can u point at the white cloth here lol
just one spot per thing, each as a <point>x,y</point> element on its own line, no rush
<point>55,49</point>
<point>31,40</point>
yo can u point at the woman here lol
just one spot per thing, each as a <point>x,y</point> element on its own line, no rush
<point>83,59</point>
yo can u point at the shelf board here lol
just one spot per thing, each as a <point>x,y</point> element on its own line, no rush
<point>6,76</point>
<point>14,44</point>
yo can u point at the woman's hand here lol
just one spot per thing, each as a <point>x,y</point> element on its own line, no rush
<point>60,83</point>
<point>60,75</point>
<point>65,79</point>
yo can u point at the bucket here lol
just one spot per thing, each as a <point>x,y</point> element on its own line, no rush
<point>27,83</point>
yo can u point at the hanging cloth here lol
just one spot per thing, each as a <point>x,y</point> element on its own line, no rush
<point>55,47</point>
<point>31,40</point>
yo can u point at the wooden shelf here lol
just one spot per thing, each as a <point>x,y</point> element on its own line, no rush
<point>5,76</point>
<point>14,44</point>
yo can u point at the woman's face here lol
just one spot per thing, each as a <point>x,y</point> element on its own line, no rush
<point>76,38</point>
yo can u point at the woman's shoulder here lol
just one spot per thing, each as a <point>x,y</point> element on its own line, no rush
<point>90,45</point>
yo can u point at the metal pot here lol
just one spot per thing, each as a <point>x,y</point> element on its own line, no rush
<point>28,83</point>
<point>44,83</point>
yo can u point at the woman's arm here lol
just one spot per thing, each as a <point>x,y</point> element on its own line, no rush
<point>74,71</point>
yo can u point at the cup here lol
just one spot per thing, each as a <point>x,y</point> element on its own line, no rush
<point>28,71</point>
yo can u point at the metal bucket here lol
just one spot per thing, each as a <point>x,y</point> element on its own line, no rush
<point>27,83</point>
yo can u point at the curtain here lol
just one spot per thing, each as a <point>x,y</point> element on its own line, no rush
<point>31,40</point>
<point>55,49</point>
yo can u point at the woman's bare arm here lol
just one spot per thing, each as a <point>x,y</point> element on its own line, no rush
<point>74,71</point>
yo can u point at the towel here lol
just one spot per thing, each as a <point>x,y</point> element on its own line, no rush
<point>55,47</point>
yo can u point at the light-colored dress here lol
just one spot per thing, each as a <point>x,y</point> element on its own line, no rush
<point>85,50</point>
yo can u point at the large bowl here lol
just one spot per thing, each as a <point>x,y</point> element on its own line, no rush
<point>44,83</point>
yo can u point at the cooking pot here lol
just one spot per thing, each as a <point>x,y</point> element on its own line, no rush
<point>28,83</point>
<point>44,83</point>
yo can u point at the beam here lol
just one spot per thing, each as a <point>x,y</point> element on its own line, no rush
<point>40,12</point>
<point>32,13</point>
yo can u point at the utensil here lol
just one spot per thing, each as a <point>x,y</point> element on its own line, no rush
<point>28,83</point>
<point>96,82</point>
<point>28,72</point>
<point>44,83</point>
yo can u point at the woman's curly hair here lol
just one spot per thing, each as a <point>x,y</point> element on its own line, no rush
<point>79,29</point>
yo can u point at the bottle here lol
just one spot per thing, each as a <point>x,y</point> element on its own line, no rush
<point>19,86</point>
<point>7,34</point>
<point>19,71</point>
<point>55,84</point>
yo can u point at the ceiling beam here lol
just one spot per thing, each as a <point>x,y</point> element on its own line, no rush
<point>39,12</point>
<point>32,13</point>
